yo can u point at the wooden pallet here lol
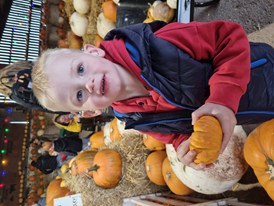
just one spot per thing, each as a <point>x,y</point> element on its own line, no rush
<point>165,199</point>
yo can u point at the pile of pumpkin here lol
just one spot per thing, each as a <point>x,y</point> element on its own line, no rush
<point>91,20</point>
<point>67,39</point>
<point>110,170</point>
<point>255,150</point>
<point>161,163</point>
<point>38,123</point>
<point>163,167</point>
<point>36,184</point>
<point>24,144</point>
<point>103,22</point>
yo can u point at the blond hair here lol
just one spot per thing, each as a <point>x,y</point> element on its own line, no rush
<point>40,79</point>
<point>8,74</point>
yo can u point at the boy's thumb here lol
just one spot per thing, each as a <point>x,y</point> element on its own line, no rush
<point>194,117</point>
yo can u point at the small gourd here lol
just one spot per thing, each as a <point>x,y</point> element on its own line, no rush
<point>174,184</point>
<point>152,143</point>
<point>206,139</point>
<point>153,168</point>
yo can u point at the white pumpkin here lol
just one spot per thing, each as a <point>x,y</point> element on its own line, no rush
<point>161,11</point>
<point>78,24</point>
<point>226,172</point>
<point>81,6</point>
<point>172,4</point>
<point>107,132</point>
<point>121,128</point>
<point>116,1</point>
<point>104,25</point>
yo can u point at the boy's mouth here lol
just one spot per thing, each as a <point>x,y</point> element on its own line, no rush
<point>103,85</point>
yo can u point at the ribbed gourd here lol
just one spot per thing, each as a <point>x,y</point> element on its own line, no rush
<point>206,139</point>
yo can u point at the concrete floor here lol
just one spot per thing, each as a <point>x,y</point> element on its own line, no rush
<point>252,14</point>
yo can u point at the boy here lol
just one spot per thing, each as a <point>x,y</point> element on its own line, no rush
<point>160,78</point>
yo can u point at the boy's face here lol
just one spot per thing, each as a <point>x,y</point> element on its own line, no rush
<point>83,81</point>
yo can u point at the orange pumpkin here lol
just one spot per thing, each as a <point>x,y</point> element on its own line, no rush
<point>31,168</point>
<point>107,168</point>
<point>42,122</point>
<point>96,140</point>
<point>206,139</point>
<point>152,143</point>
<point>32,195</point>
<point>153,165</point>
<point>30,201</point>
<point>65,168</point>
<point>98,40</point>
<point>75,42</point>
<point>32,178</point>
<point>172,181</point>
<point>41,113</point>
<point>83,161</point>
<point>33,187</point>
<point>40,191</point>
<point>55,191</point>
<point>259,154</point>
<point>63,43</point>
<point>110,10</point>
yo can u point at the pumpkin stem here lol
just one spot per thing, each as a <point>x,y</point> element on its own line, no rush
<point>243,187</point>
<point>270,169</point>
<point>67,170</point>
<point>93,168</point>
<point>168,175</point>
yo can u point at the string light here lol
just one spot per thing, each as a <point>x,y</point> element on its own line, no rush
<point>3,173</point>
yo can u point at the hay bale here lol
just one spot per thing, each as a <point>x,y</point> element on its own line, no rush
<point>133,183</point>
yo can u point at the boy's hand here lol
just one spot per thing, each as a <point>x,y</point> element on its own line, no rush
<point>225,116</point>
<point>187,156</point>
<point>22,77</point>
<point>53,153</point>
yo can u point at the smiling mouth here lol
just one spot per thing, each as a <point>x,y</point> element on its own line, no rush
<point>103,85</point>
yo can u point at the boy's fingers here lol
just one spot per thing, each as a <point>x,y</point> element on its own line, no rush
<point>186,158</point>
<point>198,113</point>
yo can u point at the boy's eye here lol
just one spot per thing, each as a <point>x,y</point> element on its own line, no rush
<point>79,95</point>
<point>81,69</point>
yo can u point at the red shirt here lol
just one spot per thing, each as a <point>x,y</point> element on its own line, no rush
<point>225,43</point>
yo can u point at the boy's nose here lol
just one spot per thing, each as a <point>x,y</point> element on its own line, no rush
<point>90,86</point>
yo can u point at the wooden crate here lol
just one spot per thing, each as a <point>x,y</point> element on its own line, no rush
<point>166,199</point>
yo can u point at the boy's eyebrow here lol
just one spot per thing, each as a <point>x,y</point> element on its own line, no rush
<point>71,67</point>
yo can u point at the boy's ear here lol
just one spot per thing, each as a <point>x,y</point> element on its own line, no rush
<point>90,49</point>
